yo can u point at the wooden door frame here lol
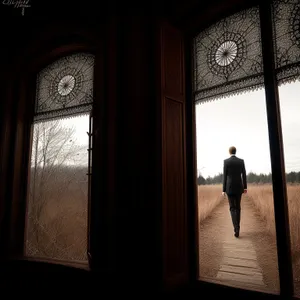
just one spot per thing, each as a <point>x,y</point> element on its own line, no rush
<point>191,28</point>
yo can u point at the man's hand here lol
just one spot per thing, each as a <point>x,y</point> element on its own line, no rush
<point>223,194</point>
<point>245,191</point>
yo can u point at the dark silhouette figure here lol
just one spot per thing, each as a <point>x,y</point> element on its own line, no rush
<point>234,185</point>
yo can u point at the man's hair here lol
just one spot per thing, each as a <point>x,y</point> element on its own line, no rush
<point>232,150</point>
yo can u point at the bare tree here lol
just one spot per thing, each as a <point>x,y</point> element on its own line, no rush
<point>57,201</point>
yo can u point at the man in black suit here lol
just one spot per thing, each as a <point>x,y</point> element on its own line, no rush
<point>234,185</point>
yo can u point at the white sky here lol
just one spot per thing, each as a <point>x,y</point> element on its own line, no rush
<point>81,125</point>
<point>241,121</point>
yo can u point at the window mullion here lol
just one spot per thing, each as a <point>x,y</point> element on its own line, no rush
<point>89,174</point>
<point>276,151</point>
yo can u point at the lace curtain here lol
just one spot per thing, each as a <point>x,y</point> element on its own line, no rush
<point>65,87</point>
<point>228,57</point>
<point>286,25</point>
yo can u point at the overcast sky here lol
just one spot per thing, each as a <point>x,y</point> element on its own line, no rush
<point>81,125</point>
<point>241,121</point>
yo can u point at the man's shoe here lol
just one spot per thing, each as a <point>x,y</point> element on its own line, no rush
<point>236,234</point>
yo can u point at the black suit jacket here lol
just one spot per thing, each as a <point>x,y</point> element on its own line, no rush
<point>234,176</point>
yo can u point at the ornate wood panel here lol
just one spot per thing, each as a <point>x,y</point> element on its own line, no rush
<point>174,200</point>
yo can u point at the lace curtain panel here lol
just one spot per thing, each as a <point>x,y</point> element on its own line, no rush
<point>65,87</point>
<point>228,57</point>
<point>286,25</point>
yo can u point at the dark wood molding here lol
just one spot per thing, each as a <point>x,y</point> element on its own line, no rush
<point>102,197</point>
<point>7,144</point>
<point>36,46</point>
<point>203,15</point>
<point>191,154</point>
<point>174,194</point>
<point>138,202</point>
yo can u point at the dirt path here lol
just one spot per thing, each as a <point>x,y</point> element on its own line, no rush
<point>248,262</point>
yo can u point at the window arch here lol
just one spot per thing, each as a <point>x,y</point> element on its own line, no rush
<point>74,52</point>
<point>59,173</point>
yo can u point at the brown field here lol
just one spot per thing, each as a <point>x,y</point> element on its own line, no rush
<point>262,197</point>
<point>209,197</point>
<point>57,195</point>
<point>57,215</point>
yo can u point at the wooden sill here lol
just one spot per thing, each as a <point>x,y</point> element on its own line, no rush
<point>215,289</point>
<point>73,264</point>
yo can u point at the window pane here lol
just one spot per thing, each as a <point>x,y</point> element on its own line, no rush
<point>290,110</point>
<point>248,261</point>
<point>57,204</point>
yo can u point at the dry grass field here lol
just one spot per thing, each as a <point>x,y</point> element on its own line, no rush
<point>57,215</point>
<point>57,202</point>
<point>262,197</point>
<point>209,196</point>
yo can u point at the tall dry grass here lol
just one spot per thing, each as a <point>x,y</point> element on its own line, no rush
<point>262,197</point>
<point>209,197</point>
<point>57,220</point>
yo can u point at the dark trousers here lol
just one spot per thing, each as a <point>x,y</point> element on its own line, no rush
<point>235,210</point>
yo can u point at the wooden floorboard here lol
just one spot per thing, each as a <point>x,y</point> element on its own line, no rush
<point>238,264</point>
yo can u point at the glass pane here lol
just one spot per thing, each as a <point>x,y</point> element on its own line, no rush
<point>290,110</point>
<point>57,204</point>
<point>248,260</point>
<point>91,144</point>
